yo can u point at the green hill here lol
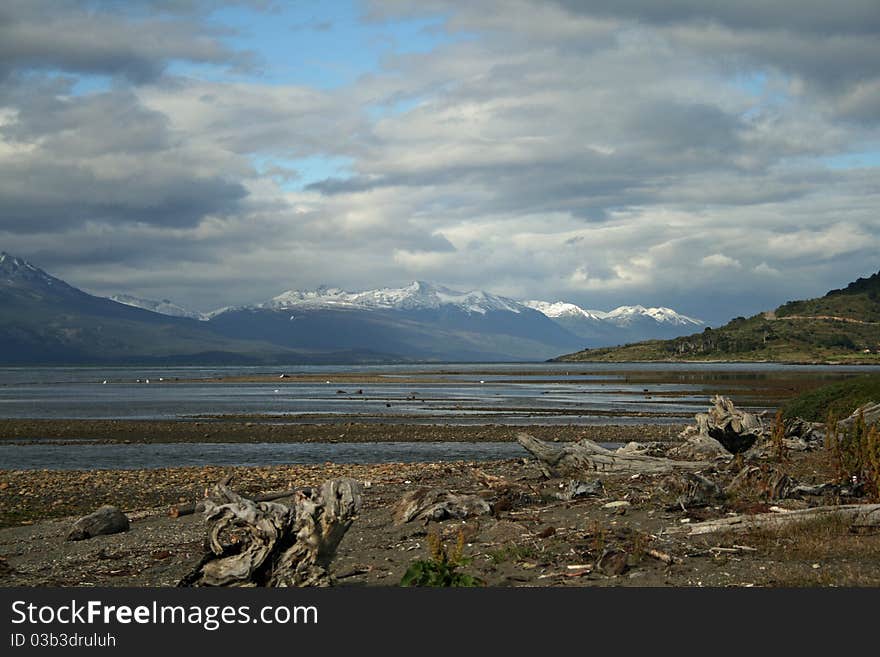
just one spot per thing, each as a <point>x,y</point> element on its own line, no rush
<point>842,326</point>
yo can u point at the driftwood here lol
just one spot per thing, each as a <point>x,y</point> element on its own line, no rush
<point>857,515</point>
<point>575,459</point>
<point>735,429</point>
<point>699,448</point>
<point>106,520</point>
<point>179,510</point>
<point>653,448</point>
<point>871,411</point>
<point>438,504</point>
<point>270,544</point>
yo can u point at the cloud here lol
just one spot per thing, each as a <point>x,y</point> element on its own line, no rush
<point>766,270</point>
<point>721,261</point>
<point>598,152</point>
<point>74,37</point>
<point>66,160</point>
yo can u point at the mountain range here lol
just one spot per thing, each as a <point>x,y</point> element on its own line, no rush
<point>47,320</point>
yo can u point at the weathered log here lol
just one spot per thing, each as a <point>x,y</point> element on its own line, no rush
<point>438,504</point>
<point>575,459</point>
<point>270,544</point>
<point>857,515</point>
<point>106,520</point>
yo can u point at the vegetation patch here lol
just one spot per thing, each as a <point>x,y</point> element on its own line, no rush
<point>839,399</point>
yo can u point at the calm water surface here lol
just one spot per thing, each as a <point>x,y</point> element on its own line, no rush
<point>505,394</point>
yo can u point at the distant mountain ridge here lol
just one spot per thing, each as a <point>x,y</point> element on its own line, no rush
<point>620,316</point>
<point>47,320</point>
<point>624,324</point>
<point>591,327</point>
<point>416,295</point>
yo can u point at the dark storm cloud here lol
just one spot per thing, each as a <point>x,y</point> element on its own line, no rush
<point>45,196</point>
<point>831,45</point>
<point>101,157</point>
<point>111,122</point>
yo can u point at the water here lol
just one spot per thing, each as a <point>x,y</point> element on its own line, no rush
<point>124,457</point>
<point>514,394</point>
<point>450,394</point>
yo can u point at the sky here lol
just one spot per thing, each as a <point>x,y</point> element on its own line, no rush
<point>718,158</point>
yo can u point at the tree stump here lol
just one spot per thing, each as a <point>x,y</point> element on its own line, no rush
<point>735,429</point>
<point>270,544</point>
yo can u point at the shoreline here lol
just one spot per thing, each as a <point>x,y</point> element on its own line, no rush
<point>27,496</point>
<point>219,431</point>
<point>536,538</point>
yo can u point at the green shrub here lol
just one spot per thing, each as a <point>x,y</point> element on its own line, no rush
<point>441,569</point>
<point>855,453</point>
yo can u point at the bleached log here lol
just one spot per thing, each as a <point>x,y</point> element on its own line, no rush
<point>179,510</point>
<point>576,459</point>
<point>871,411</point>
<point>856,515</point>
<point>271,544</point>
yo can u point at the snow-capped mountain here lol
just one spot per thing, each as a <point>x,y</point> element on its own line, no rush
<point>620,316</point>
<point>418,321</point>
<point>426,319</point>
<point>416,295</point>
<point>626,315</point>
<point>47,320</point>
<point>557,309</point>
<point>163,307</point>
<point>623,324</point>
